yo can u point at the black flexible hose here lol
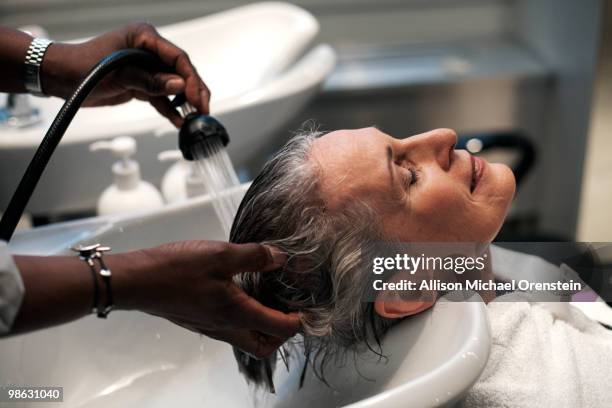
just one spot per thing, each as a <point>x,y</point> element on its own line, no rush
<point>57,129</point>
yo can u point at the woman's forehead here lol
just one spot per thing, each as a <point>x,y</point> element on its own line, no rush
<point>352,163</point>
<point>347,143</point>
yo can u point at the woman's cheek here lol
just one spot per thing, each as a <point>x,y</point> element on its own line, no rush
<point>443,199</point>
<point>441,209</point>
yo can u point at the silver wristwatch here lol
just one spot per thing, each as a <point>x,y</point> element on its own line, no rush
<point>33,61</point>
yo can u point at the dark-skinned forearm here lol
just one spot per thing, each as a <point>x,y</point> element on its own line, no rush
<point>59,289</point>
<point>13,47</point>
<point>57,76</point>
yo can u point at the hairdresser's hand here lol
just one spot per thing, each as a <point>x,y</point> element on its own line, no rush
<point>65,65</point>
<point>190,284</point>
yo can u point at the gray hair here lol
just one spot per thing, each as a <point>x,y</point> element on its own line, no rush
<point>323,277</point>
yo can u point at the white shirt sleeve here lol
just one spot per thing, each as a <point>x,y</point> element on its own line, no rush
<point>11,289</point>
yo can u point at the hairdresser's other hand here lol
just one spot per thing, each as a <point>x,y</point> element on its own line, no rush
<point>65,65</point>
<point>190,284</point>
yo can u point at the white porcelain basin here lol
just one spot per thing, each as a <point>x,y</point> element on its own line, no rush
<point>256,61</point>
<point>137,360</point>
<point>433,359</point>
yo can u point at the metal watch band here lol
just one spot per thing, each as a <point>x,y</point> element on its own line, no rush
<point>33,61</point>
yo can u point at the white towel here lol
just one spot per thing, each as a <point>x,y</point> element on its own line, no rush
<point>543,358</point>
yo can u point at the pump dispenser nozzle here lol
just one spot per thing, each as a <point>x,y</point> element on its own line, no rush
<point>197,129</point>
<point>126,170</point>
<point>123,146</point>
<point>128,192</point>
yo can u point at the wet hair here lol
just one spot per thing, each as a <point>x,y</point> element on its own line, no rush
<point>323,277</point>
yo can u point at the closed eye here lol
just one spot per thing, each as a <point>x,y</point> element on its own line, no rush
<point>409,177</point>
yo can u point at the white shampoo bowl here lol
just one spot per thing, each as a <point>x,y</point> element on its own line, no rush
<point>431,360</point>
<point>136,360</point>
<point>255,59</point>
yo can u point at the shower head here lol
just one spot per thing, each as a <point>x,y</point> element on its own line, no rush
<point>198,130</point>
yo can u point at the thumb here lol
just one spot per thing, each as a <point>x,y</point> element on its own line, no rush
<point>254,258</point>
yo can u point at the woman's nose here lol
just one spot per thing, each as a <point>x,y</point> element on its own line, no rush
<point>437,144</point>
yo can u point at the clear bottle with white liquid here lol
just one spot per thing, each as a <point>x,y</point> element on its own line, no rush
<point>128,193</point>
<point>182,180</point>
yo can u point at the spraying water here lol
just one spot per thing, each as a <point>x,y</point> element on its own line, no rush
<point>219,179</point>
<point>203,139</point>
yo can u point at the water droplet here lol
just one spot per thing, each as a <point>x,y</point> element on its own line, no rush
<point>472,355</point>
<point>157,336</point>
<point>202,340</point>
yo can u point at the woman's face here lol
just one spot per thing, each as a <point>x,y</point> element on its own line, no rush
<point>423,189</point>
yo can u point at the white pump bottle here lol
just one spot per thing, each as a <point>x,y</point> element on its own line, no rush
<point>182,180</point>
<point>129,192</point>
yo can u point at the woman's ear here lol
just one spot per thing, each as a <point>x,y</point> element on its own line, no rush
<point>396,304</point>
<point>401,308</point>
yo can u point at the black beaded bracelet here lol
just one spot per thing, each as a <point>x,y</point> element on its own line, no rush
<point>90,254</point>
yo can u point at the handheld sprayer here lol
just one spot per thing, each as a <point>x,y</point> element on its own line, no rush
<point>203,139</point>
<point>199,137</point>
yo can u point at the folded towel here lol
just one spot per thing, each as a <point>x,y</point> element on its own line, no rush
<point>543,358</point>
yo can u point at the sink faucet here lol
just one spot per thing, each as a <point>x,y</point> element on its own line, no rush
<point>19,112</point>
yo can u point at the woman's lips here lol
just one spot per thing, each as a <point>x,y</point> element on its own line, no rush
<point>478,167</point>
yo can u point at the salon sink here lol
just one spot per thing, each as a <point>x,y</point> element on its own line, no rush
<point>431,360</point>
<point>258,61</point>
<point>133,359</point>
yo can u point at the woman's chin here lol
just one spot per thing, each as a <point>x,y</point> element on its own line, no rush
<point>496,196</point>
<point>506,179</point>
<point>503,186</point>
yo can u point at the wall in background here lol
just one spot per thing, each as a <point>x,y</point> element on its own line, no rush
<point>344,23</point>
<point>563,34</point>
<point>595,222</point>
